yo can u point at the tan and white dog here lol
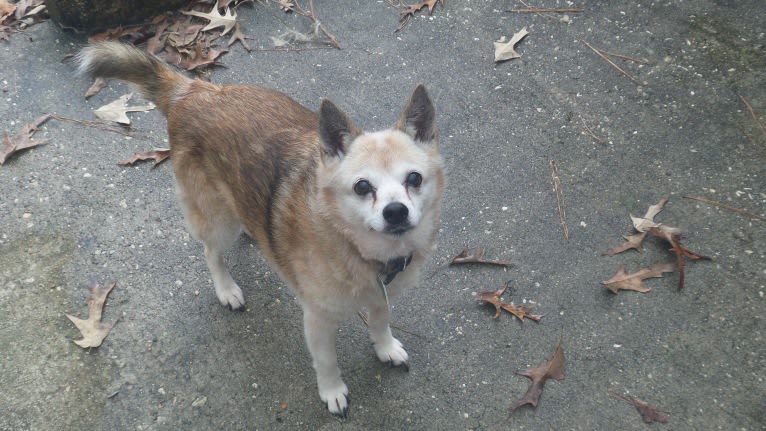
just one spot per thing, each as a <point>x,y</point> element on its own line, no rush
<point>346,217</point>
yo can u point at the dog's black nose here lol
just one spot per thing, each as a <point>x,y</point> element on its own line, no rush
<point>395,213</point>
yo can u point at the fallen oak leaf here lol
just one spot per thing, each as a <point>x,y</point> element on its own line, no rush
<point>643,224</point>
<point>238,36</point>
<point>553,368</point>
<point>505,50</point>
<point>624,281</point>
<point>227,20</point>
<point>98,85</point>
<point>117,110</point>
<point>92,329</point>
<point>22,140</point>
<point>493,298</point>
<point>648,413</point>
<point>634,241</point>
<point>415,7</point>
<point>159,155</point>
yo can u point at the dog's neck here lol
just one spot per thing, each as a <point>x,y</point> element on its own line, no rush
<point>393,267</point>
<point>388,273</point>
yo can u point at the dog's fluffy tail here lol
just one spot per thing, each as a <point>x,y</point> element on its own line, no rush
<point>156,80</point>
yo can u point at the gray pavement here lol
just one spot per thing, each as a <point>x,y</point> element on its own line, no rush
<point>176,359</point>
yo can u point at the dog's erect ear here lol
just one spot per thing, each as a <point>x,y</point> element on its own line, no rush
<point>417,120</point>
<point>336,129</point>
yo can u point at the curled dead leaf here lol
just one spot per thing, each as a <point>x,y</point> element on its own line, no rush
<point>553,368</point>
<point>23,139</point>
<point>159,155</point>
<point>117,110</point>
<point>506,50</point>
<point>520,311</point>
<point>624,281</point>
<point>92,329</point>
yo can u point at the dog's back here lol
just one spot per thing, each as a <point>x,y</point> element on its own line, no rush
<point>258,147</point>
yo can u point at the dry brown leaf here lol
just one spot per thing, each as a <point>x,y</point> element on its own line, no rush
<point>117,110</point>
<point>633,241</point>
<point>493,298</point>
<point>553,368</point>
<point>98,85</point>
<point>643,224</point>
<point>624,281</point>
<point>412,8</point>
<point>23,139</point>
<point>93,330</point>
<point>159,155</point>
<point>506,50</point>
<point>648,413</point>
<point>238,36</point>
<point>227,20</point>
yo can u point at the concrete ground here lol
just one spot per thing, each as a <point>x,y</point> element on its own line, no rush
<point>69,216</point>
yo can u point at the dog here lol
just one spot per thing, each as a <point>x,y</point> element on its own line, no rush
<point>347,218</point>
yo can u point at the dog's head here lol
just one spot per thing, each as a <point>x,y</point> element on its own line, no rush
<point>383,188</point>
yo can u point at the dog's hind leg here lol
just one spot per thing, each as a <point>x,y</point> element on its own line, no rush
<point>211,222</point>
<point>388,348</point>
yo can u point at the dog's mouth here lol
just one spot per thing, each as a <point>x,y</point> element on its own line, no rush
<point>397,230</point>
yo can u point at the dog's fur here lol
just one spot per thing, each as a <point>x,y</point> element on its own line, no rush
<point>253,159</point>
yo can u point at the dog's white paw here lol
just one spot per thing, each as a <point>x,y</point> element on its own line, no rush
<point>392,353</point>
<point>230,295</point>
<point>336,397</point>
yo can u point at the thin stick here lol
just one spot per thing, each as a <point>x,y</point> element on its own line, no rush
<point>546,9</point>
<point>536,13</point>
<point>364,319</point>
<point>600,54</point>
<point>625,57</point>
<point>559,197</point>
<point>93,124</point>
<point>755,117</point>
<point>313,17</point>
<point>730,208</point>
<point>588,131</point>
<point>750,138</point>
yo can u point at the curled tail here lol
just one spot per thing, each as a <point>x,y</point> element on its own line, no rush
<point>156,80</point>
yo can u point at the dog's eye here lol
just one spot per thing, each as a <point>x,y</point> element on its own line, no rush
<point>414,179</point>
<point>362,187</point>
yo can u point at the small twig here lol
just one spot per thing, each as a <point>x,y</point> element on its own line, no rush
<point>311,14</point>
<point>363,316</point>
<point>546,9</point>
<point>292,49</point>
<point>536,12</point>
<point>559,197</point>
<point>728,207</point>
<point>588,131</point>
<point>93,124</point>
<point>605,58</point>
<point>757,120</point>
<point>624,57</point>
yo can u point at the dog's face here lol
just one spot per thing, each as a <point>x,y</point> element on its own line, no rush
<point>385,187</point>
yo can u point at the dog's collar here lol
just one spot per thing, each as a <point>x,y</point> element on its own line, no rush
<point>389,272</point>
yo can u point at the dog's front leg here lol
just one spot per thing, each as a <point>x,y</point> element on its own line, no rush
<point>388,348</point>
<point>320,333</point>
